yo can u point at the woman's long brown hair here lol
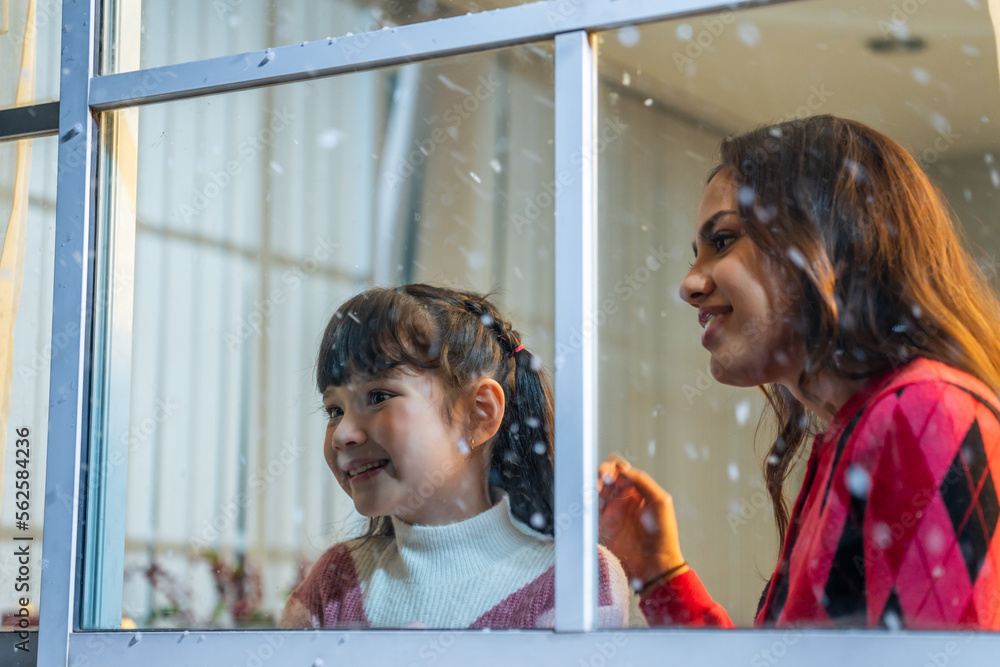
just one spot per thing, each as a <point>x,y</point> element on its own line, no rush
<point>881,270</point>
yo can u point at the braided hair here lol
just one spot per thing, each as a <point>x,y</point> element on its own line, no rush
<point>462,337</point>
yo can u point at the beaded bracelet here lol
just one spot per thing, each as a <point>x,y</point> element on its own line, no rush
<point>663,576</point>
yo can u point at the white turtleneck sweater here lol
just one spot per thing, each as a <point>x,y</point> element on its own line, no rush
<point>490,570</point>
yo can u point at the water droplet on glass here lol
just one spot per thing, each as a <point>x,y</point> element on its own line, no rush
<point>277,168</point>
<point>734,471</point>
<point>628,36</point>
<point>635,584</point>
<point>539,447</point>
<point>749,34</point>
<point>891,620</point>
<point>742,412</point>
<point>463,447</point>
<point>536,363</point>
<point>451,84</point>
<point>920,75</point>
<point>475,177</point>
<point>648,521</point>
<point>995,178</point>
<point>970,50</point>
<point>487,319</point>
<point>330,138</point>
<point>746,195</point>
<point>537,521</point>
<point>318,662</point>
<point>685,31</point>
<point>533,422</point>
<point>858,481</point>
<point>651,448</point>
<point>773,460</point>
<point>967,193</point>
<point>495,165</point>
<point>648,102</point>
<point>690,450</point>
<point>797,258</point>
<point>626,79</point>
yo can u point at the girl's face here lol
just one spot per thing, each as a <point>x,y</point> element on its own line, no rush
<point>745,304</point>
<point>393,452</point>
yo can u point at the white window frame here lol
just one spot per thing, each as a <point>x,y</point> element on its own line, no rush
<point>76,375</point>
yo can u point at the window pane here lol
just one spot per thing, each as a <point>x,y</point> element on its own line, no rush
<point>176,32</point>
<point>924,74</point>
<point>27,235</point>
<point>257,214</point>
<point>29,52</point>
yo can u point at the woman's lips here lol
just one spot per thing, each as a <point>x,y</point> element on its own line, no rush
<point>712,328</point>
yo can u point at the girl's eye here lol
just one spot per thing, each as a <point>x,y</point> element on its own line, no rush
<point>377,397</point>
<point>334,413</point>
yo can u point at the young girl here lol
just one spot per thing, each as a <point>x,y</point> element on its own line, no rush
<point>894,343</point>
<point>440,431</point>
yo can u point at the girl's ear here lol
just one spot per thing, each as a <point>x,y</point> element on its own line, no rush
<point>487,410</point>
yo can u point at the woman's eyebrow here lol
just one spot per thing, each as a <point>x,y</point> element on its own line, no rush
<point>707,229</point>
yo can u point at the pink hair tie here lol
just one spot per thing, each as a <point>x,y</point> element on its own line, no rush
<point>517,349</point>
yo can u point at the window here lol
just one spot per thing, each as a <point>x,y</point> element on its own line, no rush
<point>194,199</point>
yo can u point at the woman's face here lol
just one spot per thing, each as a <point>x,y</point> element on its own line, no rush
<point>746,305</point>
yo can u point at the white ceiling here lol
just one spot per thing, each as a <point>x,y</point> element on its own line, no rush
<point>766,62</point>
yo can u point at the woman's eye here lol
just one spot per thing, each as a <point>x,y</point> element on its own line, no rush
<point>377,397</point>
<point>722,241</point>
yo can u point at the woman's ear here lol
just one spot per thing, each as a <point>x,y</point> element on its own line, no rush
<point>487,410</point>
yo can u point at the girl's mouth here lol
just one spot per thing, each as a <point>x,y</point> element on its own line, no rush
<point>366,471</point>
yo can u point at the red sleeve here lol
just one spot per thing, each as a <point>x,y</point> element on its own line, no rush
<point>930,455</point>
<point>683,601</point>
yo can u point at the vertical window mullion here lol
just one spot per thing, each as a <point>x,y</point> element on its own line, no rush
<point>575,360</point>
<point>69,370</point>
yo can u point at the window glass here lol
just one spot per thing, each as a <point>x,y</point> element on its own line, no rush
<point>29,51</point>
<point>923,73</point>
<point>27,223</point>
<point>257,214</point>
<point>175,32</point>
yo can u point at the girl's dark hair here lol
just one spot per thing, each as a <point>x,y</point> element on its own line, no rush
<point>876,264</point>
<point>462,337</point>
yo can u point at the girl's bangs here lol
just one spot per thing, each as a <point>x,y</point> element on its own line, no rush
<point>373,333</point>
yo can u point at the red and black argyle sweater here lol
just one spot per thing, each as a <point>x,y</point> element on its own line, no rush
<point>895,525</point>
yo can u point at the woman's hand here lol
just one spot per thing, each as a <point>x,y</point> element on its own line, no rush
<point>637,521</point>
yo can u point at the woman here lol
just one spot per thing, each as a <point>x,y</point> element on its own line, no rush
<point>828,272</point>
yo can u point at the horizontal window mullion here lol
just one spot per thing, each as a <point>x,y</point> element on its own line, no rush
<point>383,48</point>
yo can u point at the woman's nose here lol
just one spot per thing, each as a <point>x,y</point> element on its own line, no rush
<point>697,284</point>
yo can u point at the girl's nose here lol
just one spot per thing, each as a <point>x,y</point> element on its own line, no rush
<point>349,432</point>
<point>697,284</point>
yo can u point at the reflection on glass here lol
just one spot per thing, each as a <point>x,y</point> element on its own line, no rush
<point>176,32</point>
<point>29,50</point>
<point>669,94</point>
<point>27,236</point>
<point>257,214</point>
